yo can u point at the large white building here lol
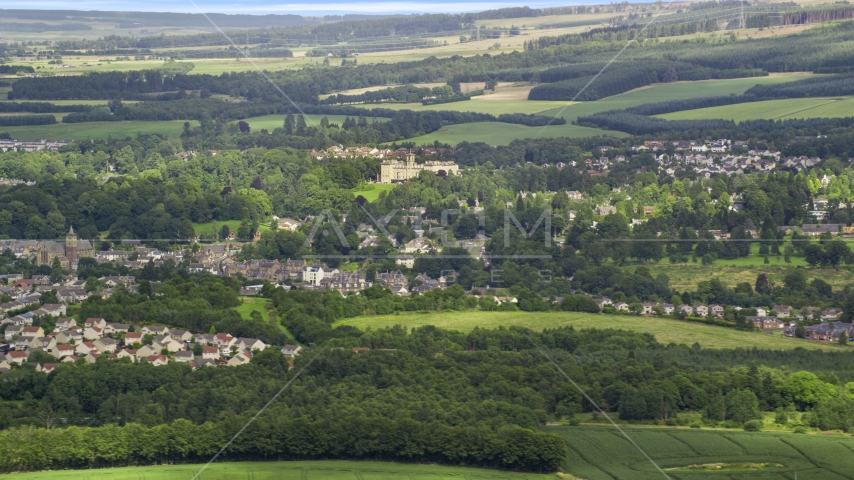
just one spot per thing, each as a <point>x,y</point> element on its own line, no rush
<point>395,171</point>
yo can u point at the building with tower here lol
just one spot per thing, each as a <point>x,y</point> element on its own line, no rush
<point>68,252</point>
<point>395,171</point>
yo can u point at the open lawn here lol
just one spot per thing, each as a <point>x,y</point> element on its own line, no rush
<point>299,470</point>
<point>497,133</point>
<point>597,453</point>
<point>264,306</point>
<point>95,130</point>
<point>372,191</point>
<point>773,109</point>
<point>665,330</point>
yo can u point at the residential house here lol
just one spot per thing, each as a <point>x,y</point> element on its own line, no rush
<point>783,311</point>
<point>241,358</point>
<point>126,353</point>
<point>92,333</point>
<point>764,322</point>
<point>16,357</point>
<point>157,360</point>
<point>291,350</point>
<point>668,308</point>
<point>64,324</point>
<point>147,351</point>
<point>95,322</point>
<point>210,353</point>
<point>202,362</point>
<point>153,330</point>
<point>831,314</point>
<point>716,310</point>
<point>701,310</point>
<point>13,331</point>
<point>621,306</point>
<point>184,357</point>
<point>105,345</point>
<point>62,350</point>
<point>181,335</point>
<point>31,332</point>
<point>251,344</point>
<point>648,308</point>
<point>92,357</point>
<point>84,348</point>
<point>114,328</point>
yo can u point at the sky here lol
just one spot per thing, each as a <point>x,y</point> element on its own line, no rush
<point>297,7</point>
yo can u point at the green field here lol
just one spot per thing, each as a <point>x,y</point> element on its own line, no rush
<point>372,192</point>
<point>665,330</point>
<point>299,470</point>
<point>272,122</point>
<point>483,104</point>
<point>96,130</point>
<point>774,109</point>
<point>496,133</point>
<point>687,276</point>
<point>673,91</point>
<point>252,303</point>
<point>686,454</point>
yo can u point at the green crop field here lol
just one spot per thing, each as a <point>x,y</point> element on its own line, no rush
<point>603,453</point>
<point>773,109</point>
<point>272,122</point>
<point>95,130</point>
<point>300,470</point>
<point>497,133</point>
<point>672,91</point>
<point>371,192</point>
<point>665,330</point>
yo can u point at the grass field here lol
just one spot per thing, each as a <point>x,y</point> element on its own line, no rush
<point>773,109</point>
<point>95,130</point>
<point>687,276</point>
<point>252,303</point>
<point>272,122</point>
<point>299,470</point>
<point>687,454</point>
<point>665,330</point>
<point>371,192</point>
<point>672,91</point>
<point>216,226</point>
<point>496,133</point>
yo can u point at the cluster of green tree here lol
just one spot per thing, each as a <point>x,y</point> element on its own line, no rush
<point>635,124</point>
<point>261,51</point>
<point>194,108</point>
<point>146,208</point>
<point>157,19</point>
<point>38,27</point>
<point>21,120</point>
<point>40,107</point>
<point>403,94</point>
<point>294,438</point>
<point>812,14</point>
<point>367,46</point>
<point>623,77</point>
<point>822,86</point>
<point>16,69</point>
<point>198,303</point>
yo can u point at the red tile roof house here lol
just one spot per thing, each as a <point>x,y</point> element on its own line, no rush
<point>48,367</point>
<point>17,357</point>
<point>211,353</point>
<point>157,360</point>
<point>133,337</point>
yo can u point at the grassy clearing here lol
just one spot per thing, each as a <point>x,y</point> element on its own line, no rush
<point>687,276</point>
<point>216,226</point>
<point>603,453</point>
<point>665,330</point>
<point>496,133</point>
<point>96,130</point>
<point>774,109</point>
<point>372,192</point>
<point>300,470</point>
<point>249,305</point>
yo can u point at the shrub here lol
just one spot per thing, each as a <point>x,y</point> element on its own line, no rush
<point>696,425</point>
<point>800,429</point>
<point>753,426</point>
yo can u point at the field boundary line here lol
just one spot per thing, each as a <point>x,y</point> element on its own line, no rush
<point>596,405</point>
<point>258,413</point>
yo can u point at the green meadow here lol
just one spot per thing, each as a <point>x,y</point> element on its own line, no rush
<point>298,470</point>
<point>372,191</point>
<point>96,130</point>
<point>665,330</point>
<point>774,109</point>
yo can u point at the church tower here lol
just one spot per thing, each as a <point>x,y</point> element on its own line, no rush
<point>71,245</point>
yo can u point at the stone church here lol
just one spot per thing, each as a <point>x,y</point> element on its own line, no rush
<point>68,252</point>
